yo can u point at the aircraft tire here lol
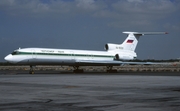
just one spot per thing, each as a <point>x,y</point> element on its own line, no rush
<point>31,72</point>
<point>78,71</point>
<point>111,71</point>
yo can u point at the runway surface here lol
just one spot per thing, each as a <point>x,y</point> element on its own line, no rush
<point>89,92</point>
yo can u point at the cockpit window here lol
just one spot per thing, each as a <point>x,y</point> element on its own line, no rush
<point>14,53</point>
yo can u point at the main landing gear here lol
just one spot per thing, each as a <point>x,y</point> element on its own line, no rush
<point>110,70</point>
<point>77,70</point>
<point>31,71</point>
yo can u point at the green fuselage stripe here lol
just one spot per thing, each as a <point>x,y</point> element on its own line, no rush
<point>64,54</point>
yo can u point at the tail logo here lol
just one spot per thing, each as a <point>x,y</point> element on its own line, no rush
<point>129,41</point>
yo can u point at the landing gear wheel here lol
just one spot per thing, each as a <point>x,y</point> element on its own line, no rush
<point>31,70</point>
<point>110,70</point>
<point>77,70</point>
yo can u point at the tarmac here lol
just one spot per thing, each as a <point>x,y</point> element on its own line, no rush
<point>125,91</point>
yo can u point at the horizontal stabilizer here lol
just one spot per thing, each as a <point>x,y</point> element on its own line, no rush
<point>145,33</point>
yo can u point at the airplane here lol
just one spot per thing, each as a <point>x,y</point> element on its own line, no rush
<point>114,55</point>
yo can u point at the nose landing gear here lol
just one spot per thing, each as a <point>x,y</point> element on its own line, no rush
<point>31,71</point>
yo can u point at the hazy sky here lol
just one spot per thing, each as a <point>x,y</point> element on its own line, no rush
<point>90,24</point>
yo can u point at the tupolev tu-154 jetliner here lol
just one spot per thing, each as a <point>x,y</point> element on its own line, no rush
<point>115,54</point>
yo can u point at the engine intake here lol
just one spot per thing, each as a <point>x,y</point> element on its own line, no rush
<point>117,57</point>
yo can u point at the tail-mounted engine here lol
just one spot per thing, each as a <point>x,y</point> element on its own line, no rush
<point>124,57</point>
<point>119,53</point>
<point>109,47</point>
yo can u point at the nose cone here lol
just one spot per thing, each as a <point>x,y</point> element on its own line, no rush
<point>8,58</point>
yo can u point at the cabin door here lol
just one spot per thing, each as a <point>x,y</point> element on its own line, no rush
<point>33,54</point>
<point>72,55</point>
<point>90,57</point>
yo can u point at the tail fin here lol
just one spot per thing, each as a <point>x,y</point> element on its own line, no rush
<point>131,41</point>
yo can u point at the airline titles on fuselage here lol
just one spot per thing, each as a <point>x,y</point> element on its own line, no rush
<point>52,51</point>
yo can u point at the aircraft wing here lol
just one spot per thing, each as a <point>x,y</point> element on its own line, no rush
<point>115,63</point>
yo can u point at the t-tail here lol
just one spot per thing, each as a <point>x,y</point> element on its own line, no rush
<point>126,50</point>
<point>130,42</point>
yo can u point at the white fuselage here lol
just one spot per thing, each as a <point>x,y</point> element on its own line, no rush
<point>40,56</point>
<point>113,54</point>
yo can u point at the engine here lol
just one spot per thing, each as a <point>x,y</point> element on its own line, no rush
<point>109,47</point>
<point>125,57</point>
<point>119,53</point>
